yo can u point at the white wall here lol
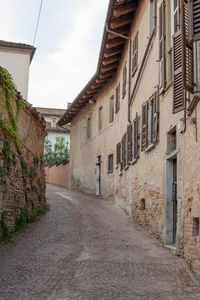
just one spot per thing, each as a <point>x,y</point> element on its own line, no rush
<point>17,64</point>
<point>53,135</point>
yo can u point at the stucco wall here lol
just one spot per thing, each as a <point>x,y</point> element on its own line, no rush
<point>146,178</point>
<point>17,63</point>
<point>59,174</point>
<point>143,189</point>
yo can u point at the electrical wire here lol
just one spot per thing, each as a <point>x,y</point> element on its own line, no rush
<point>36,29</point>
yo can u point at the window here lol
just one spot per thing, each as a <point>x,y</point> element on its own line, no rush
<point>117,103</point>
<point>171,141</point>
<point>194,20</point>
<point>111,111</point>
<point>195,228</point>
<point>153,9</point>
<point>88,128</point>
<point>182,49</point>
<point>123,151</point>
<point>100,118</point>
<point>110,163</point>
<point>124,81</point>
<point>135,134</point>
<point>53,122</point>
<point>135,54</point>
<point>150,122</point>
<point>118,154</point>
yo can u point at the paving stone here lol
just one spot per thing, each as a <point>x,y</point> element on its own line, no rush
<point>87,248</point>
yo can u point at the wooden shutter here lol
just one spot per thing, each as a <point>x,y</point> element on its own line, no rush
<point>118,154</point>
<point>194,17</point>
<point>182,61</point>
<point>124,81</point>
<point>144,136</point>
<point>129,143</point>
<point>123,158</point>
<point>117,103</point>
<point>162,57</point>
<point>135,54</point>
<point>156,117</point>
<point>136,137</point>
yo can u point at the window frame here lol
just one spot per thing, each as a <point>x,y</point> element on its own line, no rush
<point>100,118</point>
<point>110,163</point>
<point>112,109</point>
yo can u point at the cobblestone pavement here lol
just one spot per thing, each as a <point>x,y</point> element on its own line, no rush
<point>87,248</point>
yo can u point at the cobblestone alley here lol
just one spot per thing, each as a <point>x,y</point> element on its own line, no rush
<point>87,248</point>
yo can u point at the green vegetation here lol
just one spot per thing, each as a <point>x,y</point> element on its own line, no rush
<point>59,153</point>
<point>21,221</point>
<point>9,131</point>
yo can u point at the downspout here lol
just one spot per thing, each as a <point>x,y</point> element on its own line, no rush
<point>129,72</point>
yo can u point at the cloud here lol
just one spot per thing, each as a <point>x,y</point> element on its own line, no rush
<point>58,77</point>
<point>68,44</point>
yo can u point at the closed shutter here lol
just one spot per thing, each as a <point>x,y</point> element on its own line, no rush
<point>194,10</point>
<point>162,57</point>
<point>118,156</point>
<point>182,61</point>
<point>136,137</point>
<point>117,103</point>
<point>144,136</point>
<point>156,117</point>
<point>124,81</point>
<point>135,54</point>
<point>123,158</point>
<point>129,143</point>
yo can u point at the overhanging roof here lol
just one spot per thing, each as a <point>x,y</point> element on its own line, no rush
<point>31,49</point>
<point>119,17</point>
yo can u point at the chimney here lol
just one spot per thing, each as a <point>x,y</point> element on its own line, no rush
<point>69,104</point>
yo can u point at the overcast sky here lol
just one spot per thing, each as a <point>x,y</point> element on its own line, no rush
<point>68,44</point>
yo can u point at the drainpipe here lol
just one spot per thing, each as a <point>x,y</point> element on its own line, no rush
<point>129,75</point>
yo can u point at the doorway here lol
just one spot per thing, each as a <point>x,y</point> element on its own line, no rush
<point>171,200</point>
<point>98,175</point>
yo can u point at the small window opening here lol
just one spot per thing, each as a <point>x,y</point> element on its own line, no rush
<point>171,141</point>
<point>110,163</point>
<point>143,204</point>
<point>195,226</point>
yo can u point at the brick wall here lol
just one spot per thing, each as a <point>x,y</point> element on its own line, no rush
<point>22,178</point>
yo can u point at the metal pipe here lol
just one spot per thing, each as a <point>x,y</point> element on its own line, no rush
<point>129,72</point>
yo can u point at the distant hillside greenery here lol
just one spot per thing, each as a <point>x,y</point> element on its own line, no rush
<point>59,153</point>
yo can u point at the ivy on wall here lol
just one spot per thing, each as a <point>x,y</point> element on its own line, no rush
<point>9,129</point>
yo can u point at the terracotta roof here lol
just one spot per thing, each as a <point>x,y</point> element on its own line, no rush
<point>50,111</point>
<point>119,17</point>
<point>18,46</point>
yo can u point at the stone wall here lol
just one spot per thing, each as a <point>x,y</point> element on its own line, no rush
<point>22,178</point>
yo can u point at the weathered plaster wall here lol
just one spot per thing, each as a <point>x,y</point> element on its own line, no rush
<point>145,181</point>
<point>59,174</point>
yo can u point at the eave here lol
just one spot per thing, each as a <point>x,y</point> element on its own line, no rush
<point>119,18</point>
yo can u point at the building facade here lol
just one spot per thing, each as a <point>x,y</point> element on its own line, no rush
<point>51,116</point>
<point>134,127</point>
<point>16,58</point>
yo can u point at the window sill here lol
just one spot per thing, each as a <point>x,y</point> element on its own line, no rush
<point>121,173</point>
<point>109,172</point>
<point>117,167</point>
<point>150,147</point>
<point>133,161</point>
<point>126,168</point>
